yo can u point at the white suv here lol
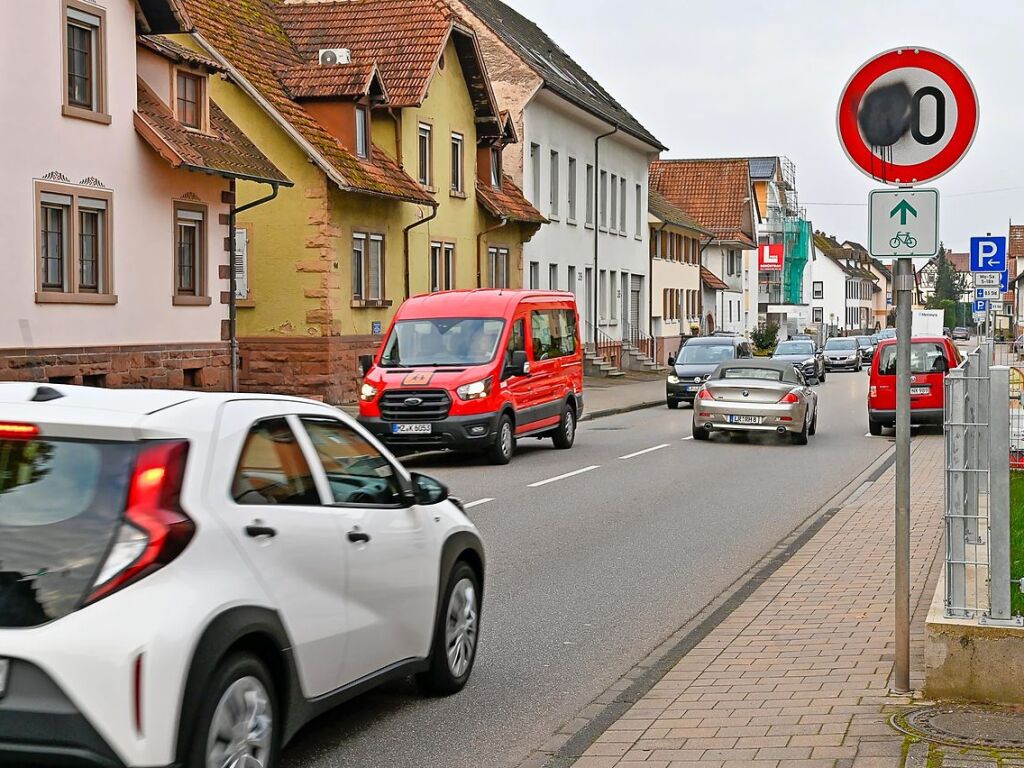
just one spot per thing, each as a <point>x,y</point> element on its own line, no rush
<point>187,578</point>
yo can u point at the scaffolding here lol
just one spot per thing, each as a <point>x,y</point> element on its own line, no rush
<point>788,221</point>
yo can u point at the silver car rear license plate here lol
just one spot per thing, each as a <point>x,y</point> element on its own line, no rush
<point>744,419</point>
<point>5,669</point>
<point>411,429</point>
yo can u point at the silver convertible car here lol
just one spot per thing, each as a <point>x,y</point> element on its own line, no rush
<point>757,395</point>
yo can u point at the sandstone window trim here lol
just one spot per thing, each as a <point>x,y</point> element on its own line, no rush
<point>84,61</point>
<point>498,266</point>
<point>74,244</point>
<point>189,255</point>
<point>369,262</point>
<point>442,266</point>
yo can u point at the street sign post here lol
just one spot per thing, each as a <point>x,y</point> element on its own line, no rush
<point>988,254</point>
<point>905,117</point>
<point>903,222</point>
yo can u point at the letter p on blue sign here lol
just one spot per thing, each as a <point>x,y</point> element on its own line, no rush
<point>988,254</point>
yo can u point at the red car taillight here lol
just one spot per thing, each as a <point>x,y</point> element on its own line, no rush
<point>789,399</point>
<point>155,528</point>
<point>873,391</point>
<point>704,394</point>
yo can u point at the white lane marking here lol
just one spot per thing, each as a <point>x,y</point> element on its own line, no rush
<point>688,438</point>
<point>645,450</point>
<point>477,503</point>
<point>563,477</point>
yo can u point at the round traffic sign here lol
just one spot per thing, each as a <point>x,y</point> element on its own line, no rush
<point>907,116</point>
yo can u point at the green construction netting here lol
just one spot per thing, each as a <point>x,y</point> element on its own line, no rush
<point>797,237</point>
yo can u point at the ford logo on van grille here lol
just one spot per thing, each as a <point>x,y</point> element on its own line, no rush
<point>412,402</point>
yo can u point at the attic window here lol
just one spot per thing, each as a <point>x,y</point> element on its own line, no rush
<point>440,62</point>
<point>495,167</point>
<point>362,132</point>
<point>190,99</point>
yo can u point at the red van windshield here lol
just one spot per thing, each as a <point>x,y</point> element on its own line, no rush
<point>435,342</point>
<point>924,358</point>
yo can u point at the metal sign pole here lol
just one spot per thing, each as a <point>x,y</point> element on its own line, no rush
<point>904,288</point>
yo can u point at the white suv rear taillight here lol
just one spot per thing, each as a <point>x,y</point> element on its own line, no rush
<point>155,529</point>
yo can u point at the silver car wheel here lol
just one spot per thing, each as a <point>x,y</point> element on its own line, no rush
<point>570,426</point>
<point>506,439</point>
<point>461,627</point>
<point>242,727</point>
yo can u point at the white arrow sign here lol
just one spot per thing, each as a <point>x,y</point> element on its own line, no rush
<point>903,222</point>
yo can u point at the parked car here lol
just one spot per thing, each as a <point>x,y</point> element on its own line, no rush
<point>477,370</point>
<point>756,396</point>
<point>947,332</point>
<point>961,334</point>
<point>809,359</point>
<point>886,333</point>
<point>697,358</point>
<point>867,347</point>
<point>843,352</point>
<point>801,337</point>
<point>931,357</point>
<point>190,577</point>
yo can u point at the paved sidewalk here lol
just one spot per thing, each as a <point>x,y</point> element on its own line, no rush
<point>606,397</point>
<point>798,675</point>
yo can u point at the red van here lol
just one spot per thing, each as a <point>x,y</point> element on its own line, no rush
<point>476,370</point>
<point>930,358</point>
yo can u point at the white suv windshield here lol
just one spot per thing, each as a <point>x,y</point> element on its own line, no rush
<point>442,342</point>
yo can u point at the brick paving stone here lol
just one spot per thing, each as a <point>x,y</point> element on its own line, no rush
<point>797,676</point>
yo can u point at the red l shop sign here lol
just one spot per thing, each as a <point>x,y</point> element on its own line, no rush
<point>770,257</point>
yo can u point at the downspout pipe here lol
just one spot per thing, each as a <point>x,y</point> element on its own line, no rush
<point>405,243</point>
<point>232,277</point>
<point>479,249</point>
<point>597,222</point>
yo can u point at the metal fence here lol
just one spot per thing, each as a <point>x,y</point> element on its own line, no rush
<point>977,427</point>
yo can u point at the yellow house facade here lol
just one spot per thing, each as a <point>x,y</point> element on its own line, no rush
<point>394,190</point>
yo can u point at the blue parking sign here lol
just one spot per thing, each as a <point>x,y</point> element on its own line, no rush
<point>1004,281</point>
<point>980,306</point>
<point>988,254</point>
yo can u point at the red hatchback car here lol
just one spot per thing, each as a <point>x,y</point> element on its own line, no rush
<point>477,370</point>
<point>930,358</point>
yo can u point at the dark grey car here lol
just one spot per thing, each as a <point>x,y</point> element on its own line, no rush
<point>804,356</point>
<point>843,352</point>
<point>696,360</point>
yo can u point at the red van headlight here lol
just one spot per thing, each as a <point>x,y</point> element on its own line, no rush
<point>367,392</point>
<point>476,390</point>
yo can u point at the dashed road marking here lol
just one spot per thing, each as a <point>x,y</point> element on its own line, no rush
<point>477,503</point>
<point>645,450</point>
<point>688,438</point>
<point>563,477</point>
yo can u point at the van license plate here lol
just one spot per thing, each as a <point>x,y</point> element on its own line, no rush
<point>920,390</point>
<point>411,429</point>
<point>744,419</point>
<point>5,668</point>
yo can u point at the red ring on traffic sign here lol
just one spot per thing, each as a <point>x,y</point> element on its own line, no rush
<point>966,125</point>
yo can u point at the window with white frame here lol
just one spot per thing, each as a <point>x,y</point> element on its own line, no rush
<point>553,193</point>
<point>603,213</point>
<point>622,206</point>
<point>426,155</point>
<point>613,297</point>
<point>442,266</point>
<point>367,266</point>
<point>590,195</point>
<point>602,293</point>
<point>615,204</point>
<point>189,250</point>
<point>535,173</point>
<point>534,275</point>
<point>553,277</point>
<point>639,224</point>
<point>497,261</point>
<point>819,315</point>
<point>458,162</point>
<point>818,289</point>
<point>362,132</point>
<point>571,182</point>
<point>496,167</point>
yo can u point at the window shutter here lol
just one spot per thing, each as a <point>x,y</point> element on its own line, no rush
<point>241,263</point>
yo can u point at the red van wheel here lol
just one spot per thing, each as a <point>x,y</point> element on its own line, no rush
<point>565,435</point>
<point>504,442</point>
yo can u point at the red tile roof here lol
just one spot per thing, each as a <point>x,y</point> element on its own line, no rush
<point>715,192</point>
<point>249,35</point>
<point>404,37</point>
<point>961,262</point>
<point>711,280</point>
<point>226,151</point>
<point>1015,246</point>
<point>508,202</point>
<point>312,81</point>
<point>671,214</point>
<point>178,53</point>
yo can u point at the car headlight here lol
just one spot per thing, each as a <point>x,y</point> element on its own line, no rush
<point>673,379</point>
<point>477,390</point>
<point>367,392</point>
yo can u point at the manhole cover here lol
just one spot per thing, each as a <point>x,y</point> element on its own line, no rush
<point>969,726</point>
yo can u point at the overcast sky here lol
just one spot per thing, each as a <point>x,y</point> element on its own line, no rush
<point>714,78</point>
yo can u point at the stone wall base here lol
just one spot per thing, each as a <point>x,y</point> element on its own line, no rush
<point>149,366</point>
<point>325,369</point>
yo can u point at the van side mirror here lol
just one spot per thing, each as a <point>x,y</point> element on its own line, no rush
<point>520,365</point>
<point>671,359</point>
<point>365,363</point>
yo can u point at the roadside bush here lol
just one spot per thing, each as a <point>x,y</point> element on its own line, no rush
<point>765,337</point>
<point>1016,541</point>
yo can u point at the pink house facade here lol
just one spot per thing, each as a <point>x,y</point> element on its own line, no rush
<point>116,204</point>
